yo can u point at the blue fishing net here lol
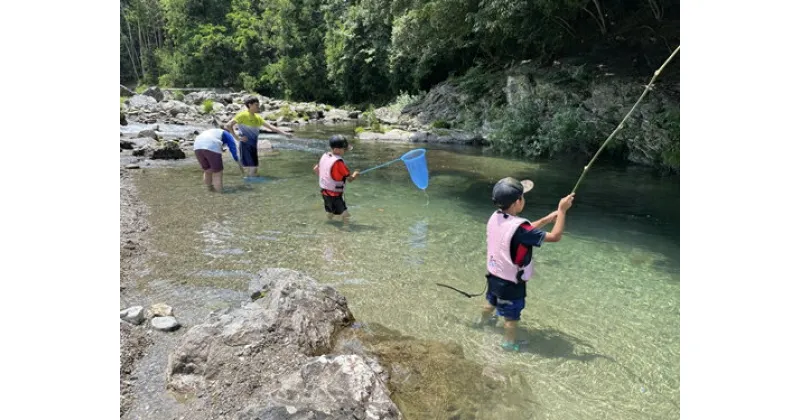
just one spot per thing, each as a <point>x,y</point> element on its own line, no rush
<point>417,167</point>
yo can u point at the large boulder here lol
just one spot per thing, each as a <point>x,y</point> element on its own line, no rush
<point>395,135</point>
<point>158,150</point>
<point>168,150</point>
<point>267,358</point>
<point>337,115</point>
<point>174,108</point>
<point>142,102</point>
<point>197,98</point>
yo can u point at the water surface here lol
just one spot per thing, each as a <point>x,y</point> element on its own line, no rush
<point>602,314</point>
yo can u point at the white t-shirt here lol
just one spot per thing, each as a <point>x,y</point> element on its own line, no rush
<point>209,140</point>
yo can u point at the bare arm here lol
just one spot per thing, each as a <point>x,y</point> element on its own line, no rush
<point>558,229</point>
<point>550,218</point>
<point>276,129</point>
<point>561,217</point>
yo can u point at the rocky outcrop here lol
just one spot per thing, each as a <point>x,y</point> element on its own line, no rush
<point>442,103</point>
<point>559,109</point>
<point>269,358</point>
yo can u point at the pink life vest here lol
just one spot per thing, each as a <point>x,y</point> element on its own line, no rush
<point>326,181</point>
<point>499,231</point>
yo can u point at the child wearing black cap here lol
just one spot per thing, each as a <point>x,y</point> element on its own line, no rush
<point>333,174</point>
<point>509,254</point>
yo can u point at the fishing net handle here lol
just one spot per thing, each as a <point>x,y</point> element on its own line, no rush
<point>379,166</point>
<point>419,152</point>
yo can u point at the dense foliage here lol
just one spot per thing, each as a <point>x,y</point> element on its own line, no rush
<point>372,50</point>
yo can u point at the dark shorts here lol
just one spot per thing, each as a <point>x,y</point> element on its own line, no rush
<point>334,205</point>
<point>209,161</point>
<point>249,152</point>
<point>508,309</point>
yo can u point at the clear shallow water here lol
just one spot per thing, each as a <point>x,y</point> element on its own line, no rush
<point>602,314</point>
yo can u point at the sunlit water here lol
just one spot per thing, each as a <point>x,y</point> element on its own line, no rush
<point>602,314</point>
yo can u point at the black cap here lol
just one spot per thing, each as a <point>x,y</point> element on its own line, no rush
<point>508,190</point>
<point>338,141</point>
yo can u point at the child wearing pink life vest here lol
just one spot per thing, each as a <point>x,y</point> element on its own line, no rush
<point>509,253</point>
<point>333,173</point>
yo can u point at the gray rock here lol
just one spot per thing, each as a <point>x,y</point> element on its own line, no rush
<point>175,108</point>
<point>159,309</point>
<point>336,115</point>
<point>387,115</point>
<point>197,98</point>
<point>518,88</point>
<point>165,323</point>
<point>392,135</point>
<point>148,133</point>
<point>266,359</point>
<point>315,114</point>
<point>159,150</point>
<point>146,151</point>
<point>134,315</point>
<point>225,98</point>
<point>443,102</point>
<point>217,108</point>
<point>440,136</point>
<point>445,136</point>
<point>154,92</point>
<point>139,142</point>
<point>350,385</point>
<point>423,137</point>
<point>143,102</point>
<point>168,150</point>
<point>300,310</point>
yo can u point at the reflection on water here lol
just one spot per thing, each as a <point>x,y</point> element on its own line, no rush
<point>419,234</point>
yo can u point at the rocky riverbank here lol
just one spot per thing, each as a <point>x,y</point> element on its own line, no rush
<point>209,108</point>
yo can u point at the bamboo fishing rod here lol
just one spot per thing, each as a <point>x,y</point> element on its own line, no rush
<point>647,88</point>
